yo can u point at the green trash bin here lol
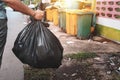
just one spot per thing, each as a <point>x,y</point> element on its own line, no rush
<point>62,19</point>
<point>84,24</point>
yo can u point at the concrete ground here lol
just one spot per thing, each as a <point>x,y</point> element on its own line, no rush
<point>72,44</point>
<point>12,68</point>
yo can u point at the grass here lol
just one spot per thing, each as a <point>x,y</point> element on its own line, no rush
<point>81,55</point>
<point>45,74</point>
<point>115,76</point>
<point>87,72</point>
<point>37,74</point>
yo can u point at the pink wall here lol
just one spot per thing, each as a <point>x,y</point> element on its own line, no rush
<point>108,8</point>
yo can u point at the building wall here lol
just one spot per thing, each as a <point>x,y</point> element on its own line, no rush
<point>108,19</point>
<point>109,28</point>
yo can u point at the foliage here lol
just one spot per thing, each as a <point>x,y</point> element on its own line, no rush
<point>81,55</point>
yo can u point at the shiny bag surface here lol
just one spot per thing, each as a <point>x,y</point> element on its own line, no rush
<point>38,47</point>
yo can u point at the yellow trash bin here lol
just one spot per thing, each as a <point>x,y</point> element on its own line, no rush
<point>55,16</point>
<point>49,15</point>
<point>67,22</point>
<point>52,15</point>
<point>71,22</point>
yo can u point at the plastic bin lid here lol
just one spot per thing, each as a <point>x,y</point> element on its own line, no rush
<point>62,10</point>
<point>81,12</point>
<point>84,13</point>
<point>51,7</point>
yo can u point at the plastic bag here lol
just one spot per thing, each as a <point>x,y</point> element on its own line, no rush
<point>38,47</point>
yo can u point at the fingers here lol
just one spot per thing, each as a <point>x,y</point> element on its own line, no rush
<point>39,14</point>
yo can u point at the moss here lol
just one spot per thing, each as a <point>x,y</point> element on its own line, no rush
<point>37,74</point>
<point>115,76</point>
<point>81,55</point>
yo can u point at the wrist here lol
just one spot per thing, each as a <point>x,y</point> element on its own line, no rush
<point>33,14</point>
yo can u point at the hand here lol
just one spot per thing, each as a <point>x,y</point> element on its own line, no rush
<point>38,14</point>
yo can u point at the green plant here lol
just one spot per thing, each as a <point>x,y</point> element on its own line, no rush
<point>81,55</point>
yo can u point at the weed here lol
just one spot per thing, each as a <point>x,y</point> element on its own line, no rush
<point>81,55</point>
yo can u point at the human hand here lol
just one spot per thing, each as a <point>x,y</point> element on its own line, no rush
<point>38,15</point>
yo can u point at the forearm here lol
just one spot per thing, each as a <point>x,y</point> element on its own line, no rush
<point>19,6</point>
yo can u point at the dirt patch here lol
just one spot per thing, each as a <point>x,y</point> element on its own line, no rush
<point>105,65</point>
<point>80,67</point>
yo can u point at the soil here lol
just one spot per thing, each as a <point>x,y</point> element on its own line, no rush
<point>99,67</point>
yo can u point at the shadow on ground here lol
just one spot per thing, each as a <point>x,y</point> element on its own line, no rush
<point>80,67</point>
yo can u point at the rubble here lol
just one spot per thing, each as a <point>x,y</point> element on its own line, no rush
<point>113,63</point>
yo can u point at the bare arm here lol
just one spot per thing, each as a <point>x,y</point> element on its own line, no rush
<point>19,6</point>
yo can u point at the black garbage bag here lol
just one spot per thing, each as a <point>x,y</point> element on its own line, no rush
<point>38,47</point>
